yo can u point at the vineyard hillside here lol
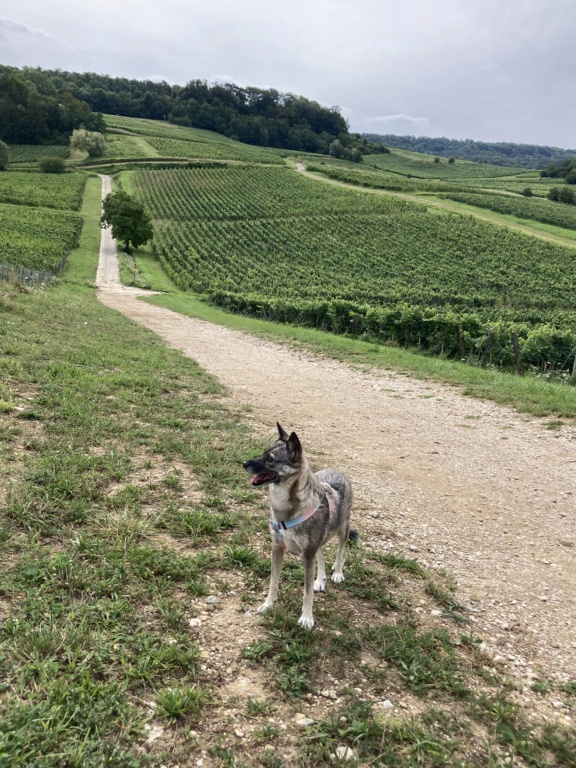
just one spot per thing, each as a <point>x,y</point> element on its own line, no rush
<point>269,242</point>
<point>39,220</point>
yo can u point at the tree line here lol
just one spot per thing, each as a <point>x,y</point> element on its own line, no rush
<point>35,110</point>
<point>564,170</point>
<point>495,153</point>
<point>44,106</point>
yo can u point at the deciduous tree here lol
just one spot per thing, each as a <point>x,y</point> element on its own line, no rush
<point>90,141</point>
<point>129,221</point>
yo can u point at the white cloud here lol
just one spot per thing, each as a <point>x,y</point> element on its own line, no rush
<point>9,30</point>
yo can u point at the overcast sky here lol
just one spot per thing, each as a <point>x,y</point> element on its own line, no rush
<point>493,70</point>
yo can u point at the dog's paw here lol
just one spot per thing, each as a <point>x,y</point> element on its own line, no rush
<point>265,607</point>
<point>306,621</point>
<point>338,577</point>
<point>320,585</point>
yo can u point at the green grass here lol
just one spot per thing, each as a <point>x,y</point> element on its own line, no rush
<point>119,146</point>
<point>80,582</point>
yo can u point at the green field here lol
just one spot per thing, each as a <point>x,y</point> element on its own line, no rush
<point>161,128</point>
<point>394,182</point>
<point>367,176</point>
<point>39,225</point>
<point>37,238</point>
<point>119,146</point>
<point>64,191</point>
<point>274,244</point>
<point>32,153</point>
<point>423,166</point>
<point>213,150</point>
<point>191,143</point>
<point>269,242</point>
<point>545,211</point>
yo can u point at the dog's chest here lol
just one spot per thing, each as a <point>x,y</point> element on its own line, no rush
<point>293,543</point>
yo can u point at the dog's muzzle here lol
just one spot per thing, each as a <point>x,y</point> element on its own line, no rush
<point>261,475</point>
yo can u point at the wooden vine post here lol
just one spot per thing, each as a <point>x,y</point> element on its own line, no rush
<point>488,352</point>
<point>517,355</point>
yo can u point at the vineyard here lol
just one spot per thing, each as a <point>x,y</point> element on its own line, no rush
<point>32,153</point>
<point>119,146</point>
<point>391,181</point>
<point>37,238</point>
<point>423,166</point>
<point>213,150</point>
<point>191,143</point>
<point>237,193</point>
<point>400,183</point>
<point>269,242</point>
<point>163,129</point>
<point>38,223</point>
<point>545,211</point>
<point>63,191</point>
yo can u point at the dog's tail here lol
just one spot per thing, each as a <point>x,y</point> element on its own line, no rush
<point>354,536</point>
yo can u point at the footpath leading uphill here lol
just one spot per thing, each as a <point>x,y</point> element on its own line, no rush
<point>466,485</point>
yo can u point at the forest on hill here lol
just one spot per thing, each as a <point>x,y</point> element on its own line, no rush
<point>44,106</point>
<point>495,153</point>
<point>34,110</point>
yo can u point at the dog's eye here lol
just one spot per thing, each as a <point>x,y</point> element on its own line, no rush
<point>269,459</point>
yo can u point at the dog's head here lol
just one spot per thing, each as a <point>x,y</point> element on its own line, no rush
<point>278,462</point>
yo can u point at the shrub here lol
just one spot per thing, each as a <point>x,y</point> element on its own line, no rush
<point>52,165</point>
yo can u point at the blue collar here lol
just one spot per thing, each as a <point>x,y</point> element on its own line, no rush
<point>278,525</point>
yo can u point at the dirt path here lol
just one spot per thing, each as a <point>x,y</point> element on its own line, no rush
<point>463,484</point>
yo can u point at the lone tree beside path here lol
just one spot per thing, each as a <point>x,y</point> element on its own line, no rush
<point>129,221</point>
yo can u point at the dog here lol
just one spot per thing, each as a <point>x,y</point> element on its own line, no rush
<point>307,509</point>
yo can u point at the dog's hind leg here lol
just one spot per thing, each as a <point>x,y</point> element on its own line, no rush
<point>337,574</point>
<point>320,583</point>
<point>307,619</point>
<point>277,560</point>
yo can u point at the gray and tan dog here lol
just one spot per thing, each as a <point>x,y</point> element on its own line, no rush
<point>307,509</point>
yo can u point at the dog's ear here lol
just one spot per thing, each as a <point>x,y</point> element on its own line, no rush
<point>294,448</point>
<point>282,433</point>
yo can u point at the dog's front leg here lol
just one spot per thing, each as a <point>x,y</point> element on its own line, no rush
<point>320,583</point>
<point>277,560</point>
<point>307,619</point>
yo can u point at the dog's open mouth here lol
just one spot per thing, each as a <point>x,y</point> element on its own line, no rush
<point>263,477</point>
